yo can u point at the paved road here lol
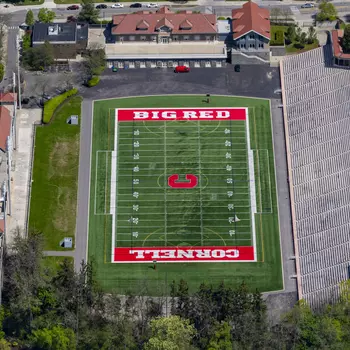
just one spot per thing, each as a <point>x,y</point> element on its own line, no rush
<point>81,234</point>
<point>11,65</point>
<point>255,80</point>
<point>221,9</point>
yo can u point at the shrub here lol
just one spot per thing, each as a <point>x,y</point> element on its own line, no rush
<point>51,105</point>
<point>2,71</point>
<point>278,39</point>
<point>93,81</point>
<point>221,17</point>
<point>299,46</point>
<point>26,41</point>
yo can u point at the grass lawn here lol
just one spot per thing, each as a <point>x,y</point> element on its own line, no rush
<point>50,264</point>
<point>55,176</point>
<point>291,49</point>
<point>29,2</point>
<point>265,274</point>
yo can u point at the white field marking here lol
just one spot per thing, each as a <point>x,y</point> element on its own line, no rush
<point>257,153</point>
<point>190,144</point>
<point>106,180</point>
<point>177,227</point>
<point>165,186</point>
<point>216,175</point>
<point>173,200</point>
<point>252,186</point>
<point>114,184</point>
<point>96,181</point>
<point>187,240</point>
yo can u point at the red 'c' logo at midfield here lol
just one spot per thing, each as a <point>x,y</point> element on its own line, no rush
<point>191,181</point>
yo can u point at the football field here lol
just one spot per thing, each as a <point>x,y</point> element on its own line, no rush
<point>181,188</point>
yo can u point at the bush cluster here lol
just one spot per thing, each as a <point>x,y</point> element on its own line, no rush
<point>93,81</point>
<point>2,71</point>
<point>51,105</point>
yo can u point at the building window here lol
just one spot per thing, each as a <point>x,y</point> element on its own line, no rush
<point>143,38</point>
<point>186,37</point>
<point>121,38</point>
<point>251,36</point>
<point>197,37</point>
<point>131,38</point>
<point>154,38</point>
<point>175,37</point>
<point>208,38</point>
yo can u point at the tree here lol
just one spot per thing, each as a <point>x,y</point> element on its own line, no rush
<point>327,12</point>
<point>275,14</point>
<point>46,15</point>
<point>221,340</point>
<point>290,34</point>
<point>40,57</point>
<point>88,13</point>
<point>311,36</point>
<point>346,39</point>
<point>30,18</point>
<point>56,338</point>
<point>95,62</point>
<point>170,333</point>
<point>298,34</point>
<point>303,38</point>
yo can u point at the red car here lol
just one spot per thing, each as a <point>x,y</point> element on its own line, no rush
<point>182,69</point>
<point>73,7</point>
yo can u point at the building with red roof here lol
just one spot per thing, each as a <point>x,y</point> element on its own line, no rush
<point>340,58</point>
<point>251,28</point>
<point>165,39</point>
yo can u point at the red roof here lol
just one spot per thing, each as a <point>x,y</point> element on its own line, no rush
<point>8,97</point>
<point>5,126</point>
<point>251,18</point>
<point>2,225</point>
<point>337,49</point>
<point>185,22</point>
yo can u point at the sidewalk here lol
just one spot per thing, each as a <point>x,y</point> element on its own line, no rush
<point>20,174</point>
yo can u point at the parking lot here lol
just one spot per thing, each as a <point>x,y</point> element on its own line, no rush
<point>252,80</point>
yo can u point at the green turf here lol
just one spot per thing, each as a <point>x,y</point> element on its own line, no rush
<point>264,274</point>
<point>55,177</point>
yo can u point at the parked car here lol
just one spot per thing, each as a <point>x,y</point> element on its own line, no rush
<point>117,6</point>
<point>114,69</point>
<point>71,19</point>
<point>152,5</point>
<point>101,6</point>
<point>182,69</point>
<point>137,4</point>
<point>73,7</point>
<point>237,68</point>
<point>307,6</point>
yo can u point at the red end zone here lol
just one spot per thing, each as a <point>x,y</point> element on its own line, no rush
<point>183,254</point>
<point>163,114</point>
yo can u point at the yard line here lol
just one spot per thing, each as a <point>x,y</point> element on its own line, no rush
<point>106,180</point>
<point>200,178</point>
<point>178,226</point>
<point>165,185</point>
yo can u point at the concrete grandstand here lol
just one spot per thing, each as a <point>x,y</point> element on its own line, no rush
<point>317,123</point>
